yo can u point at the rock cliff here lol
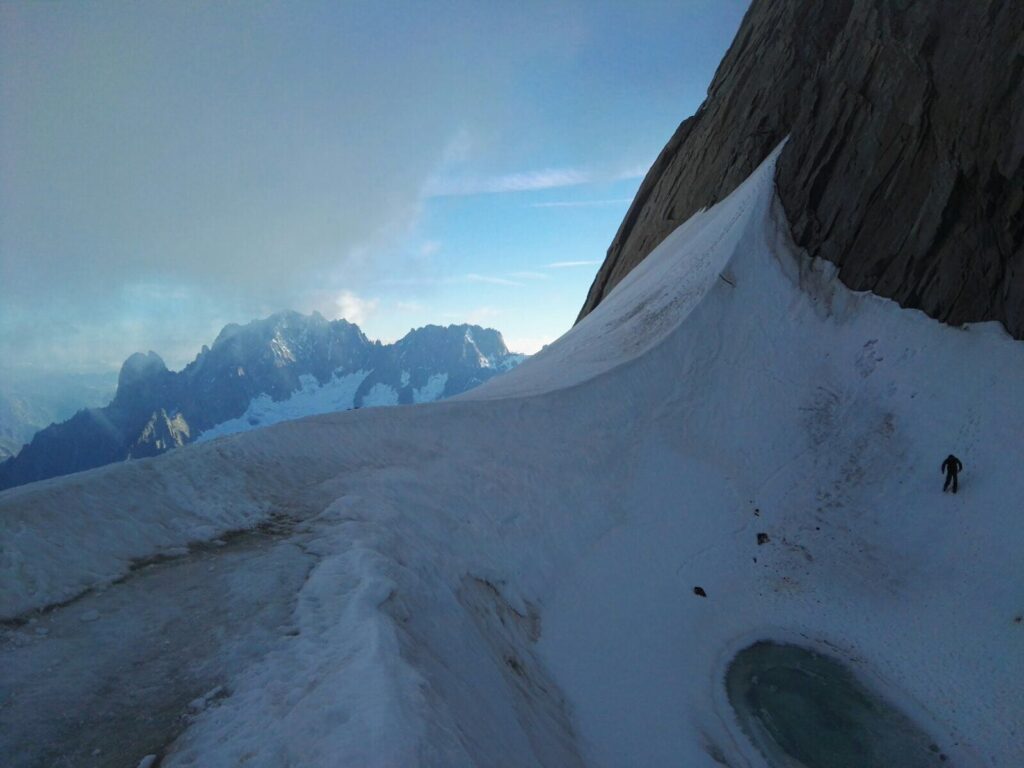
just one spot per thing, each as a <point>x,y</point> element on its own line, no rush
<point>904,161</point>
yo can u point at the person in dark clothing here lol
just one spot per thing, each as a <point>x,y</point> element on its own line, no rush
<point>951,466</point>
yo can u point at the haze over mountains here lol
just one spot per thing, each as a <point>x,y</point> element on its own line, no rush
<point>31,401</point>
<point>285,366</point>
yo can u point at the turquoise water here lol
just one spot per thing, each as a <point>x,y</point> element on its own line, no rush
<point>806,710</point>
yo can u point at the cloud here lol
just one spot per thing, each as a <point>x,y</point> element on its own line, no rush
<point>527,275</point>
<point>232,160</point>
<point>583,203</point>
<point>514,182</point>
<point>472,277</point>
<point>284,155</point>
<point>468,277</point>
<point>354,308</point>
<point>571,264</point>
<point>528,181</point>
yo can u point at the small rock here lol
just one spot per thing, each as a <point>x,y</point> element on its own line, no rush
<point>699,591</point>
<point>762,538</point>
<point>148,761</point>
<point>42,631</point>
<point>90,615</point>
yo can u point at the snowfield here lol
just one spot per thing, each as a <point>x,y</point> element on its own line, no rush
<point>507,578</point>
<point>337,394</point>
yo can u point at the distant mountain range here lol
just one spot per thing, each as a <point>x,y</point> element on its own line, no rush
<point>285,366</point>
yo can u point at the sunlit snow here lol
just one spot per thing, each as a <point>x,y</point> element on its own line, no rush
<point>337,394</point>
<point>380,394</point>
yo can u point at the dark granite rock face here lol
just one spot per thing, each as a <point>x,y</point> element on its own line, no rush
<point>904,163</point>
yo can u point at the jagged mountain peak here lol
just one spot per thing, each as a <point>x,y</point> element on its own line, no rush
<point>457,344</point>
<point>487,340</point>
<point>282,366</point>
<point>285,322</point>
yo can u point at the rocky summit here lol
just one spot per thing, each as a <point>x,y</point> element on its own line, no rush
<point>903,166</point>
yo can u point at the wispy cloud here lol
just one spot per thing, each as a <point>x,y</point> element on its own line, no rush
<point>582,203</point>
<point>472,277</point>
<point>528,275</point>
<point>570,264</point>
<point>469,277</point>
<point>527,181</point>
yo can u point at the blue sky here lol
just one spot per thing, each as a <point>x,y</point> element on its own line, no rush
<point>166,168</point>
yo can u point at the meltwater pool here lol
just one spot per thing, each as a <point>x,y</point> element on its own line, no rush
<point>802,709</point>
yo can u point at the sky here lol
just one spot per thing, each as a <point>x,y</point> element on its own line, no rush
<point>167,168</point>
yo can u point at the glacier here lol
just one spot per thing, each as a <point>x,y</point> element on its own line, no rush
<point>508,578</point>
<point>311,398</point>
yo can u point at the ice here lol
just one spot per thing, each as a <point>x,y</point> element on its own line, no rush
<point>800,705</point>
<point>380,394</point>
<point>432,390</point>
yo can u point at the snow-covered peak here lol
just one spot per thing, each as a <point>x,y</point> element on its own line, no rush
<point>280,325</point>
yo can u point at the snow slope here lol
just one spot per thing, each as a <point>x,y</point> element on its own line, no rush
<point>507,578</point>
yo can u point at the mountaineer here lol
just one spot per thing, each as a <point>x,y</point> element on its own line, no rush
<point>951,466</point>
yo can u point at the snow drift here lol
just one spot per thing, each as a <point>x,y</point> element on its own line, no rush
<point>508,578</point>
